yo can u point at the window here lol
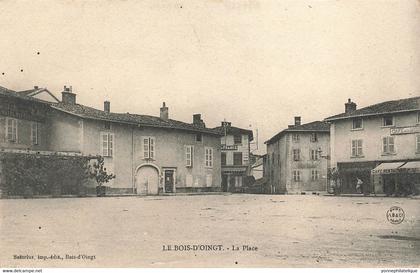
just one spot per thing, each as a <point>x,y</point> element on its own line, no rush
<point>314,155</point>
<point>295,137</point>
<point>388,121</point>
<point>418,143</point>
<point>357,123</point>
<point>149,149</point>
<point>107,125</point>
<point>11,132</point>
<point>237,139</point>
<point>388,145</point>
<point>188,155</point>
<point>34,133</point>
<point>357,147</point>
<point>237,159</point>
<point>314,175</point>
<point>198,137</point>
<point>296,176</point>
<point>209,157</point>
<point>418,117</point>
<point>272,158</point>
<point>314,137</point>
<point>296,154</point>
<point>107,144</point>
<point>223,159</point>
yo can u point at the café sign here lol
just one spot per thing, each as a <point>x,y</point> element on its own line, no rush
<point>405,130</point>
<point>229,147</point>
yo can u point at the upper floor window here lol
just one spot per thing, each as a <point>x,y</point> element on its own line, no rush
<point>357,123</point>
<point>107,125</point>
<point>12,130</point>
<point>198,137</point>
<point>34,133</point>
<point>357,147</point>
<point>209,157</point>
<point>223,158</point>
<point>295,137</point>
<point>314,155</point>
<point>314,175</point>
<point>296,154</point>
<point>388,146</point>
<point>314,137</point>
<point>107,144</point>
<point>237,139</point>
<point>418,143</point>
<point>149,147</point>
<point>388,121</point>
<point>237,159</point>
<point>296,176</point>
<point>188,155</point>
<point>418,117</point>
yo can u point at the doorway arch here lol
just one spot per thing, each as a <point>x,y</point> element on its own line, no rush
<point>147,179</point>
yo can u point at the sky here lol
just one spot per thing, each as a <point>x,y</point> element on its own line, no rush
<point>254,63</point>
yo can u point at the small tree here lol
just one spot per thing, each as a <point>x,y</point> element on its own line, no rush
<point>98,172</point>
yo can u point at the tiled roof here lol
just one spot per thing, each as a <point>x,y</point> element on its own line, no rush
<point>393,106</point>
<point>142,120</point>
<point>10,93</point>
<point>234,130</point>
<point>35,91</point>
<point>316,126</point>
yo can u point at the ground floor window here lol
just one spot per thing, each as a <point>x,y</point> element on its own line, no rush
<point>296,176</point>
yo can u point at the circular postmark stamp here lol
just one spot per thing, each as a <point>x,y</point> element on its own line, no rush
<point>395,215</point>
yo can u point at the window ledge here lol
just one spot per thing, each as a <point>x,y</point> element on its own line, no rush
<point>388,154</point>
<point>388,126</point>
<point>357,156</point>
<point>356,129</point>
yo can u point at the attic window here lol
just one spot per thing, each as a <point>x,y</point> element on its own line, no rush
<point>107,125</point>
<point>198,137</point>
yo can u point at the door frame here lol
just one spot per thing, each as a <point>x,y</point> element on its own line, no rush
<point>147,165</point>
<point>173,169</point>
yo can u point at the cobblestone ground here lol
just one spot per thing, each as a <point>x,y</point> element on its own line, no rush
<point>289,231</point>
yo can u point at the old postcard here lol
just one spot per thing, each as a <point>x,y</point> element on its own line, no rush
<point>211,133</point>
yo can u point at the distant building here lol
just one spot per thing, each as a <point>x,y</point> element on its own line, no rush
<point>235,156</point>
<point>298,158</point>
<point>379,144</point>
<point>41,94</point>
<point>257,167</point>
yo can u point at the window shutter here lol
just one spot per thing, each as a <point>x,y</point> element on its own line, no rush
<point>111,145</point>
<point>104,142</point>
<point>152,148</point>
<point>145,147</point>
<point>188,155</point>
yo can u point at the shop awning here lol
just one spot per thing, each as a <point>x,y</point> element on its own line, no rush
<point>388,167</point>
<point>411,167</point>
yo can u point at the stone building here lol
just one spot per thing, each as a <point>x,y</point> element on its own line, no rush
<point>297,158</point>
<point>235,157</point>
<point>379,144</point>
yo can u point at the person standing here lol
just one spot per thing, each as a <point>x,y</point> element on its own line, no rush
<point>359,185</point>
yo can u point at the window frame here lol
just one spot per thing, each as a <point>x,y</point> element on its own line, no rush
<point>358,147</point>
<point>223,159</point>
<point>236,138</point>
<point>296,154</point>
<point>14,130</point>
<point>295,137</point>
<point>314,175</point>
<point>314,137</point>
<point>353,123</point>
<point>34,133</point>
<point>208,157</point>
<point>110,149</point>
<point>418,143</point>
<point>385,117</point>
<point>189,155</point>
<point>296,176</point>
<point>242,159</point>
<point>314,155</point>
<point>386,145</point>
<point>150,152</point>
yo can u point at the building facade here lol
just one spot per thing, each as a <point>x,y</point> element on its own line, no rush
<point>149,155</point>
<point>379,144</point>
<point>298,158</point>
<point>235,157</point>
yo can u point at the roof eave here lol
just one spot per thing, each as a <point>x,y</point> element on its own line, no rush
<point>368,115</point>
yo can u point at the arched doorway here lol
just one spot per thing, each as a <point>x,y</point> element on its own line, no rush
<point>147,180</point>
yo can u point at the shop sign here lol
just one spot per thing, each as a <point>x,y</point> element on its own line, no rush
<point>229,147</point>
<point>405,130</point>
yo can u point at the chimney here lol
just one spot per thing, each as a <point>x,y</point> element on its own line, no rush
<point>164,112</point>
<point>107,106</point>
<point>36,87</point>
<point>67,96</point>
<point>350,106</point>
<point>297,121</point>
<point>197,121</point>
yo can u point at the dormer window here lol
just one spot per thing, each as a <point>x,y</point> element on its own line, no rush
<point>388,121</point>
<point>357,124</point>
